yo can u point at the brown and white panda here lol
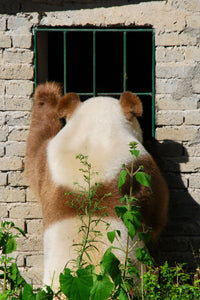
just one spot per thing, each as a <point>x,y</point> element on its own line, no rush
<point>101,128</point>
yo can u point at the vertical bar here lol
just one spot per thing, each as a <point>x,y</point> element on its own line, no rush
<point>65,61</point>
<point>94,63</point>
<point>35,59</point>
<point>153,83</point>
<point>124,61</point>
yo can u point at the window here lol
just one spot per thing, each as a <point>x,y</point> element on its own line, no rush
<point>99,61</point>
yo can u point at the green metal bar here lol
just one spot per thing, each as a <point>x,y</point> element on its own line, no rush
<point>97,29</point>
<point>153,83</point>
<point>124,61</point>
<point>65,61</point>
<point>94,63</point>
<point>35,59</point>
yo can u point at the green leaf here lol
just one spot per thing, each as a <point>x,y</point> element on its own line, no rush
<point>16,276</point>
<point>111,265</point>
<point>132,220</point>
<point>143,179</point>
<point>135,153</point>
<point>78,287</point>
<point>144,236</point>
<point>102,288</point>
<point>28,293</point>
<point>20,230</point>
<point>3,297</point>
<point>122,179</point>
<point>10,246</point>
<point>120,210</point>
<point>143,256</point>
<point>123,295</point>
<point>111,235</point>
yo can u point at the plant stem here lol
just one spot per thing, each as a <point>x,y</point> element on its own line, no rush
<point>129,209</point>
<point>5,272</point>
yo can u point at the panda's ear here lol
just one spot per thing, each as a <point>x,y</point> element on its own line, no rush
<point>67,105</point>
<point>131,105</point>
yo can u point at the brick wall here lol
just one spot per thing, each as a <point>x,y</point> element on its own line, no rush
<point>177,30</point>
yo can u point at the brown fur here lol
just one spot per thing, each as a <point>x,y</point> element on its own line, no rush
<point>67,105</point>
<point>45,125</point>
<point>131,105</point>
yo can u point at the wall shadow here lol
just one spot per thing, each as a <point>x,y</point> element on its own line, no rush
<point>180,240</point>
<point>15,6</point>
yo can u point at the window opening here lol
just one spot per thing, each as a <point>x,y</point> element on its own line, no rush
<point>100,61</point>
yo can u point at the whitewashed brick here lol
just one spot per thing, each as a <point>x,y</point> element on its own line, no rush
<point>178,87</point>
<point>2,87</point>
<point>19,23</point>
<point>195,194</point>
<point>192,165</point>
<point>192,53</point>
<point>193,150</point>
<point>2,118</point>
<point>3,23</point>
<point>34,260</point>
<point>175,39</point>
<point>31,243</point>
<point>12,195</point>
<point>10,163</point>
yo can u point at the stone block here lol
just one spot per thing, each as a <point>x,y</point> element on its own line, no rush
<point>34,260</point>
<point>11,163</point>
<point>2,149</point>
<point>3,178</point>
<point>192,117</point>
<point>18,118</point>
<point>30,243</point>
<point>15,149</point>
<point>175,39</point>
<point>5,41</point>
<point>18,135</point>
<point>26,210</point>
<point>13,55</point>
<point>2,87</point>
<point>16,71</point>
<point>170,54</point>
<point>176,133</point>
<point>11,195</point>
<point>192,53</point>
<point>3,20</point>
<point>168,117</point>
<point>16,179</point>
<point>17,103</point>
<point>30,197</point>
<point>3,211</point>
<point>3,133</point>
<point>22,41</point>
<point>167,102</point>
<point>175,70</point>
<point>177,87</point>
<point>19,88</point>
<point>194,180</point>
<point>192,150</point>
<point>35,226</point>
<point>2,118</point>
<point>192,165</point>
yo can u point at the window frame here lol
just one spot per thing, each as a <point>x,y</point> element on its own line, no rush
<point>94,31</point>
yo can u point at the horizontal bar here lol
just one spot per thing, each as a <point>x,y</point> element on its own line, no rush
<point>95,29</point>
<point>113,94</point>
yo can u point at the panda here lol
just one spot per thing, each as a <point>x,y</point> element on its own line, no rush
<point>101,128</point>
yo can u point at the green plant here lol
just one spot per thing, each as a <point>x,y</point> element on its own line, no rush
<point>115,281</point>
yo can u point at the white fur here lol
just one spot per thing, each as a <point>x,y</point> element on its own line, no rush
<point>98,128</point>
<point>58,249</point>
